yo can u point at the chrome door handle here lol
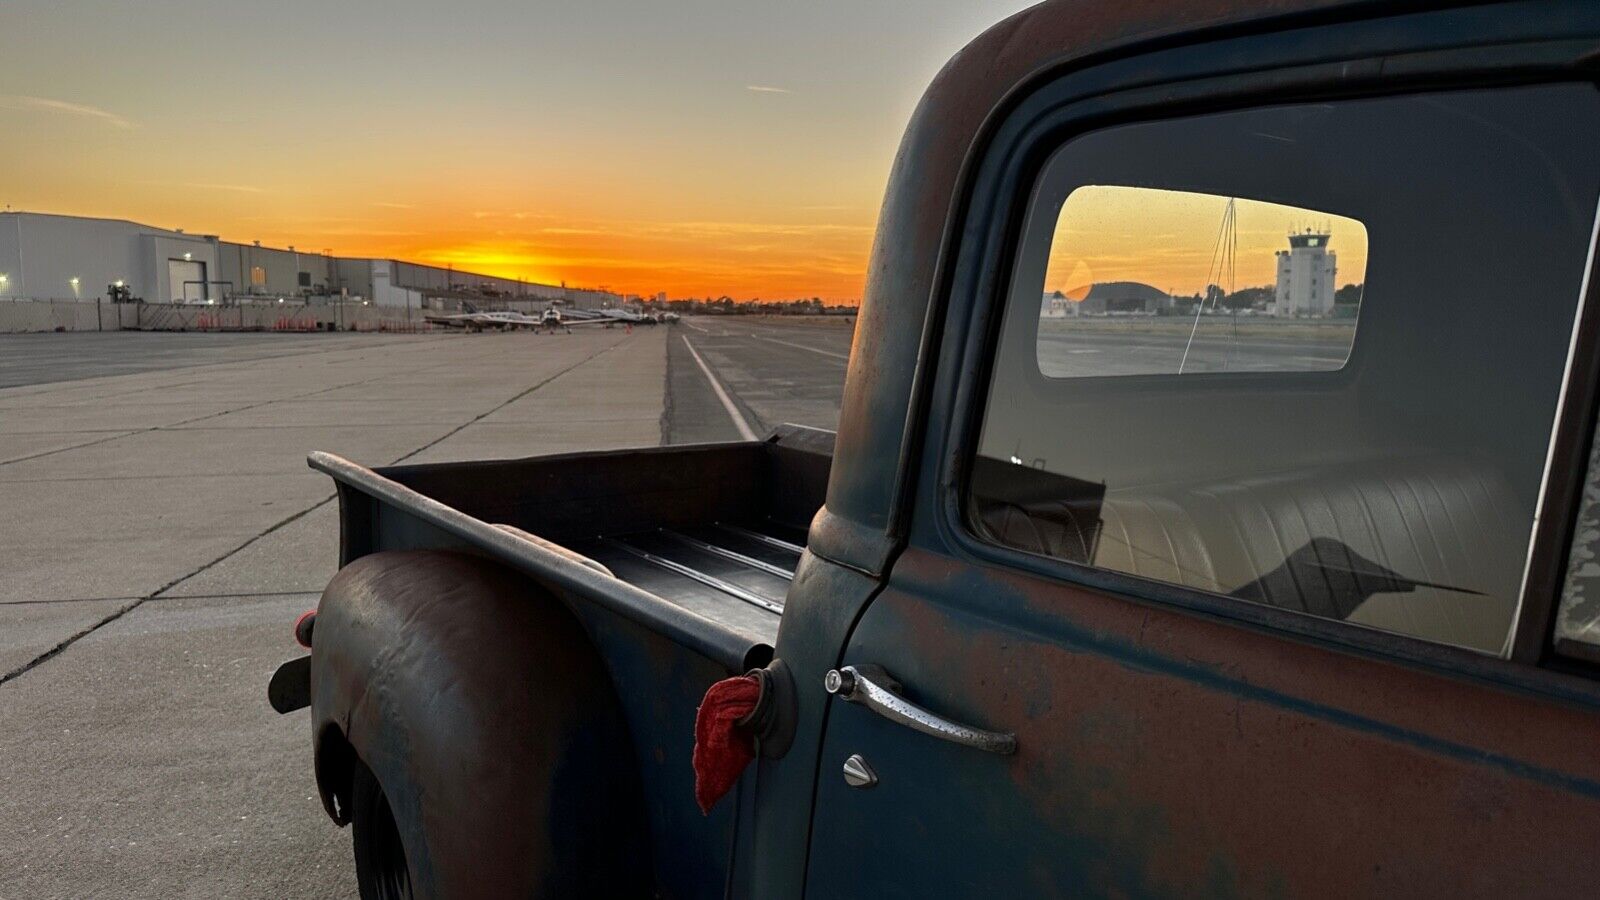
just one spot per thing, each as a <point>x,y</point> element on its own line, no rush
<point>872,687</point>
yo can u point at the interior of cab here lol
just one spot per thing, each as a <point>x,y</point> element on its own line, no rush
<point>1395,489</point>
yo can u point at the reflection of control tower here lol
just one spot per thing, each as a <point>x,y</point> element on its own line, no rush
<point>1305,275</point>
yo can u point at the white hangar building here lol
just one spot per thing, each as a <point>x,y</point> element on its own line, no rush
<point>49,257</point>
<point>53,257</point>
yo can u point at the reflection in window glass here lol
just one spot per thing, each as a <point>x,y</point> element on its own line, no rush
<point>1144,281</point>
<point>1578,618</point>
<point>1222,258</point>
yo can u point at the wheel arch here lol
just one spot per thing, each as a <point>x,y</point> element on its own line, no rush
<point>487,716</point>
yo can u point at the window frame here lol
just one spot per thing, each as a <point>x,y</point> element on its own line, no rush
<point>1241,73</point>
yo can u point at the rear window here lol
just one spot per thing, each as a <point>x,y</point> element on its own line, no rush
<point>1306,356</point>
<point>1146,281</point>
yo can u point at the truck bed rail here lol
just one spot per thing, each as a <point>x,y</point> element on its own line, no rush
<point>728,644</point>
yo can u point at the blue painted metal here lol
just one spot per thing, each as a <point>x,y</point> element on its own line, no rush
<point>1089,802</point>
<point>1164,751</point>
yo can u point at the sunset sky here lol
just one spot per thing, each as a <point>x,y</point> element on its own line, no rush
<point>695,146</point>
<point>1168,239</point>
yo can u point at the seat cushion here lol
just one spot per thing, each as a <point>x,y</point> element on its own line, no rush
<point>1431,546</point>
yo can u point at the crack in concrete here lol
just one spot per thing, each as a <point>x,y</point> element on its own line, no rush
<point>179,425</point>
<point>518,396</point>
<point>62,600</point>
<point>230,595</point>
<point>123,610</point>
<point>161,593</point>
<point>45,387</point>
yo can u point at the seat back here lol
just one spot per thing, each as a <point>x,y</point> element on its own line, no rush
<point>1431,546</point>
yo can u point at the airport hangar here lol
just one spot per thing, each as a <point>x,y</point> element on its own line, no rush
<point>44,256</point>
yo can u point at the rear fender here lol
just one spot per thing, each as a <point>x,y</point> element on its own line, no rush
<point>479,703</point>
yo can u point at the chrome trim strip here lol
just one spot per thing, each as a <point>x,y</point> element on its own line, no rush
<point>1539,524</point>
<point>725,553</point>
<point>767,539</point>
<point>712,581</point>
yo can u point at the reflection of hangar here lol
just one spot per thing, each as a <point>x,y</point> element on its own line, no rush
<point>1124,297</point>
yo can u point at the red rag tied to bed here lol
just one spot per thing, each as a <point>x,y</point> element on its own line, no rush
<point>721,750</point>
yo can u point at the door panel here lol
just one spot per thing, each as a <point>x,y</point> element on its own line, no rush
<point>1159,541</point>
<point>1161,754</point>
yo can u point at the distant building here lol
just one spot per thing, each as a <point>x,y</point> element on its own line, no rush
<point>1124,297</point>
<point>1056,305</point>
<point>1306,273</point>
<point>52,257</point>
<point>48,257</point>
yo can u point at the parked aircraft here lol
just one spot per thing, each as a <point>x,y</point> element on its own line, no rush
<point>553,317</point>
<point>475,320</point>
<point>556,317</point>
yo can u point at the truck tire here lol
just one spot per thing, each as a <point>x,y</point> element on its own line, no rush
<point>381,871</point>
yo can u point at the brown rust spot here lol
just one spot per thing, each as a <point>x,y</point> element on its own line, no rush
<point>1150,730</point>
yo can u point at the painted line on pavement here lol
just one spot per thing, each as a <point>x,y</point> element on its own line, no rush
<point>745,431</point>
<point>843,356</point>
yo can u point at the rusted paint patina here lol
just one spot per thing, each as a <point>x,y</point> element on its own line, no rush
<point>489,720</point>
<point>1162,753</point>
<point>1165,754</point>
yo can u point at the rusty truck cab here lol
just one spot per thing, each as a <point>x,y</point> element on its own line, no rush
<point>1297,623</point>
<point>1214,511</point>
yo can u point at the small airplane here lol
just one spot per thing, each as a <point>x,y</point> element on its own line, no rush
<point>554,317</point>
<point>474,319</point>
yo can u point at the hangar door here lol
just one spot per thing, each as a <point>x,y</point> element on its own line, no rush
<point>186,280</point>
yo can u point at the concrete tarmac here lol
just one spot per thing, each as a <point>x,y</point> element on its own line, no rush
<point>47,358</point>
<point>1165,347</point>
<point>774,370</point>
<point>162,531</point>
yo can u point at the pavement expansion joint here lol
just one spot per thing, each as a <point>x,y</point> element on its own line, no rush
<point>123,610</point>
<point>180,425</point>
<point>164,592</point>
<point>233,595</point>
<point>62,600</point>
<point>505,403</point>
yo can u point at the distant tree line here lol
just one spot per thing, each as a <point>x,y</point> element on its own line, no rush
<point>725,305</point>
<point>1258,298</point>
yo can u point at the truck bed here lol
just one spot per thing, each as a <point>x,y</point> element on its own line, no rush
<point>708,562</point>
<point>714,529</point>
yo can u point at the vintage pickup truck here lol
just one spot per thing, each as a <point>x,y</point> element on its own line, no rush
<point>1277,578</point>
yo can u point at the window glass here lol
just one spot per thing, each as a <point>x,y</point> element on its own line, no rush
<point>1144,281</point>
<point>1306,356</point>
